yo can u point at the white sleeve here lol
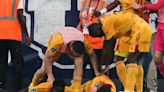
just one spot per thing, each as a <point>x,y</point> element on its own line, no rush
<point>21,4</point>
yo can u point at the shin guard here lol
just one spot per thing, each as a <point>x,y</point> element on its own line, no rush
<point>121,71</point>
<point>139,81</point>
<point>131,77</point>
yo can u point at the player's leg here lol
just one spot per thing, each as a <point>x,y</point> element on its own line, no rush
<point>140,73</point>
<point>120,67</point>
<point>132,71</point>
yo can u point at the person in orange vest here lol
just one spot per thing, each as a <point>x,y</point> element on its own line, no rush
<point>12,23</point>
<point>99,84</point>
<point>72,42</point>
<point>140,34</point>
<point>86,17</point>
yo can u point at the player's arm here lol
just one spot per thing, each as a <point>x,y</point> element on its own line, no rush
<point>92,56</point>
<point>79,26</point>
<point>108,53</point>
<point>78,71</point>
<point>77,75</point>
<point>155,6</point>
<point>52,53</point>
<point>113,5</point>
<point>22,21</point>
<point>107,9</point>
<point>109,43</point>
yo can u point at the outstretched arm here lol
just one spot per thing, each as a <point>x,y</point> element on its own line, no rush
<point>93,59</point>
<point>155,6</point>
<point>151,7</point>
<point>108,53</point>
<point>78,71</point>
<point>107,9</point>
<point>92,56</point>
<point>113,5</point>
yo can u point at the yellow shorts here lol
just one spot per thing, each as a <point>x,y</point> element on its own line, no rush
<point>140,36</point>
<point>122,46</point>
<point>122,54</point>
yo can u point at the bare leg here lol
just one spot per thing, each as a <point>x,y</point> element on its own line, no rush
<point>158,56</point>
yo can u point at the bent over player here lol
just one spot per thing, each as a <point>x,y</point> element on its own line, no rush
<point>126,24</point>
<point>66,40</point>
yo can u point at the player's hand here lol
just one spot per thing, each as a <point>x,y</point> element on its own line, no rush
<point>28,41</point>
<point>136,6</point>
<point>78,26</point>
<point>143,7</point>
<point>106,71</point>
<point>96,14</point>
<point>98,74</point>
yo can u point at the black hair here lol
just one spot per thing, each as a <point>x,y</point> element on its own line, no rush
<point>104,88</point>
<point>58,85</point>
<point>95,30</point>
<point>78,47</point>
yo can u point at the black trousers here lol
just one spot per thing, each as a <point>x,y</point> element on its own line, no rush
<point>15,49</point>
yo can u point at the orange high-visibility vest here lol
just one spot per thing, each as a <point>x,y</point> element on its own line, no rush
<point>86,18</point>
<point>9,25</point>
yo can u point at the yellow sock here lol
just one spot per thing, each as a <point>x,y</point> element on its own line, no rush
<point>32,84</point>
<point>139,82</point>
<point>35,80</point>
<point>131,77</point>
<point>121,72</point>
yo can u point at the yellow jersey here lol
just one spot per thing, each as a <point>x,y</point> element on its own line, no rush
<point>130,25</point>
<point>126,6</point>
<point>98,82</point>
<point>58,41</point>
<point>122,44</point>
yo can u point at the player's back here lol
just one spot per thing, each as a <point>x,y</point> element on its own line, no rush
<point>120,22</point>
<point>126,6</point>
